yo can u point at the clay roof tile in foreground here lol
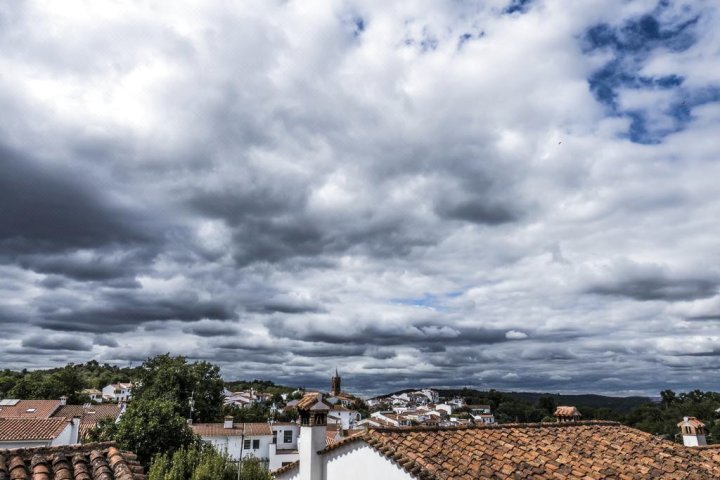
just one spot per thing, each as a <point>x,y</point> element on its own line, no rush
<point>92,461</point>
<point>580,450</point>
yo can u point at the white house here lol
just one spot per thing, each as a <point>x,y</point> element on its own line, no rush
<point>94,394</point>
<point>344,417</point>
<point>38,432</point>
<point>544,451</point>
<point>275,444</point>
<point>117,392</point>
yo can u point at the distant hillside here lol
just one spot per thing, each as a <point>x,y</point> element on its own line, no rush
<point>265,386</point>
<point>619,404</point>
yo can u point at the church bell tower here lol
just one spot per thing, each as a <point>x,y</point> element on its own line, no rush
<point>335,384</point>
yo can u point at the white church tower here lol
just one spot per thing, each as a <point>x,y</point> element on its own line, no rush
<point>693,432</point>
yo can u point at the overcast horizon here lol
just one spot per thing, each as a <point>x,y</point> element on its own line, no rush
<point>510,194</point>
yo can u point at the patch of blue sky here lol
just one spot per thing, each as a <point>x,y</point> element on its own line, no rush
<point>429,300</point>
<point>517,6</point>
<point>631,44</point>
<point>467,37</point>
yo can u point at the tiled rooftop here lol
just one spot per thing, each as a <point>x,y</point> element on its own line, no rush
<point>219,430</point>
<point>31,428</point>
<point>93,461</point>
<point>30,409</point>
<point>89,415</point>
<point>567,412</point>
<point>580,450</point>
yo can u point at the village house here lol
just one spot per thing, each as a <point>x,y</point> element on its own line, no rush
<point>117,392</point>
<point>94,394</point>
<point>38,432</point>
<point>15,408</point>
<point>273,443</point>
<point>567,449</point>
<point>90,414</point>
<point>94,461</point>
<point>245,399</point>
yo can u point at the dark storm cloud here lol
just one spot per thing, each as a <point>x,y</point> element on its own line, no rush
<point>658,288</point>
<point>420,335</point>
<point>122,312</point>
<point>209,328</point>
<point>50,209</point>
<point>56,342</point>
<point>478,211</point>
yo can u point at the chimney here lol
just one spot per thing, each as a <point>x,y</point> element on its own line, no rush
<point>63,400</point>
<point>75,431</point>
<point>693,432</point>
<point>313,425</point>
<point>228,422</point>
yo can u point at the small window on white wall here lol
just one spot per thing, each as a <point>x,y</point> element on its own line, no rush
<point>246,445</point>
<point>287,436</point>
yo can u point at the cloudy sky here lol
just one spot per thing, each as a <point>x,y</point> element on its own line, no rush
<point>501,194</point>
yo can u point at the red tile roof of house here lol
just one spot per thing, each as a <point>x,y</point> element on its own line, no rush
<point>580,450</point>
<point>219,430</point>
<point>89,415</point>
<point>31,428</point>
<point>93,461</point>
<point>567,412</point>
<point>30,409</point>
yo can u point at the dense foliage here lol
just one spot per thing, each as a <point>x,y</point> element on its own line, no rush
<point>174,379</point>
<point>259,385</point>
<point>68,381</point>
<point>204,463</point>
<point>151,427</point>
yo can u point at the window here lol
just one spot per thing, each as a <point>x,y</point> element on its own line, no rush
<point>274,437</point>
<point>246,445</point>
<point>287,436</point>
<point>256,444</point>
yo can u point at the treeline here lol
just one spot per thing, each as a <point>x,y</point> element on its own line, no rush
<point>265,386</point>
<point>656,418</point>
<point>67,381</point>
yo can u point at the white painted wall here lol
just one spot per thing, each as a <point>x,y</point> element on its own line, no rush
<point>232,445</point>
<point>277,460</point>
<point>358,461</point>
<point>694,440</point>
<point>294,474</point>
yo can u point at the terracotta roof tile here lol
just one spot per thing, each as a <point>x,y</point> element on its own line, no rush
<point>581,450</point>
<point>30,409</point>
<point>219,430</point>
<point>313,401</point>
<point>94,461</point>
<point>31,428</point>
<point>89,415</point>
<point>564,411</point>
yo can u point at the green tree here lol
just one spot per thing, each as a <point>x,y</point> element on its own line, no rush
<point>149,427</point>
<point>173,378</point>
<point>105,430</point>
<point>203,462</point>
<point>668,397</point>
<point>548,404</point>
